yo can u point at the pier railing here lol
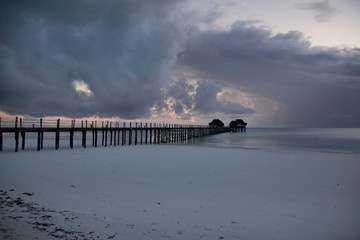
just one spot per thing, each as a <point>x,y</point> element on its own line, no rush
<point>102,133</point>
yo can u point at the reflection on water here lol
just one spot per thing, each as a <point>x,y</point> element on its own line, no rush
<point>311,139</point>
<point>345,140</point>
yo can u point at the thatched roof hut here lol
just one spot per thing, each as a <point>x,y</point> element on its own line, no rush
<point>216,123</point>
<point>237,123</point>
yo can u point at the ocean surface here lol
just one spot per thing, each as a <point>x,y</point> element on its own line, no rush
<point>337,140</point>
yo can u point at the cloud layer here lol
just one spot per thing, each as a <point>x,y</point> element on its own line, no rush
<point>118,59</point>
<point>294,83</point>
<point>187,100</point>
<point>122,51</point>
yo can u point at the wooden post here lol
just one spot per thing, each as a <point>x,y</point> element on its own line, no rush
<point>163,133</point>
<point>168,133</point>
<point>118,129</point>
<point>72,134</point>
<point>171,132</point>
<point>141,133</point>
<point>124,135</point>
<point>146,133</point>
<point>84,133</point>
<point>155,133</point>
<point>1,137</point>
<point>181,132</point>
<point>106,132</point>
<point>154,128</point>
<point>41,134</point>
<point>136,133</point>
<point>16,135</point>
<point>175,133</point>
<point>39,139</point>
<point>158,133</point>
<point>111,134</point>
<point>96,134</point>
<point>22,136</point>
<point>115,134</point>
<point>93,133</point>
<point>150,140</point>
<point>184,132</point>
<point>188,132</point>
<point>57,135</point>
<point>130,135</point>
<point>178,133</point>
<point>102,129</point>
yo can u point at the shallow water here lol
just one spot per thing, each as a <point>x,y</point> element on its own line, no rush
<point>339,140</point>
<point>346,140</point>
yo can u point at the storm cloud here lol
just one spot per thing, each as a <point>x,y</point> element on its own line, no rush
<point>85,58</point>
<point>187,99</point>
<point>120,58</point>
<point>293,84</point>
<point>206,100</point>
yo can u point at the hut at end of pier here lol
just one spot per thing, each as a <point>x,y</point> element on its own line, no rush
<point>238,125</point>
<point>216,123</point>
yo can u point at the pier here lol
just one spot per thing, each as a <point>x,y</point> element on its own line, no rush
<point>104,133</point>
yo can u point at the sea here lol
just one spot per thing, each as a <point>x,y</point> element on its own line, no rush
<point>331,140</point>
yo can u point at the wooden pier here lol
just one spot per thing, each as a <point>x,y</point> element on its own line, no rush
<point>104,133</point>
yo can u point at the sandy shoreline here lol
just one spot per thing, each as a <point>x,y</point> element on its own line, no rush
<point>178,192</point>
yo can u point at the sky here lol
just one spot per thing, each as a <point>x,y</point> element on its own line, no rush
<point>293,63</point>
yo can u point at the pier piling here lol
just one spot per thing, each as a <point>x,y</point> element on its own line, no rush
<point>153,133</point>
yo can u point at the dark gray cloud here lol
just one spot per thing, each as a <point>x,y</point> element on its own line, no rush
<point>206,100</point>
<point>323,10</point>
<point>121,50</point>
<point>293,84</point>
<point>180,98</point>
<point>187,100</point>
<point>115,58</point>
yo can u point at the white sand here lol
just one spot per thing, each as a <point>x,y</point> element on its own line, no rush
<point>178,192</point>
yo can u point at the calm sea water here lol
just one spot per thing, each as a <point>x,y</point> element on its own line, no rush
<point>346,140</point>
<point>343,140</point>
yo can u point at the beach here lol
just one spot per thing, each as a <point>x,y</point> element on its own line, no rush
<point>179,192</point>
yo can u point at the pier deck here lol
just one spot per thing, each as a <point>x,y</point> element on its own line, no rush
<point>104,133</point>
